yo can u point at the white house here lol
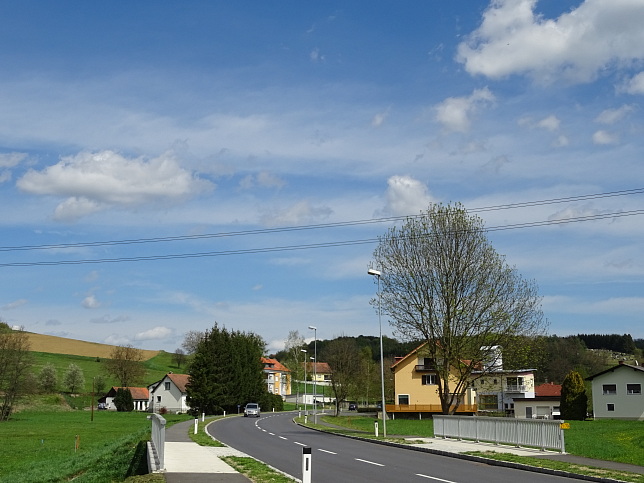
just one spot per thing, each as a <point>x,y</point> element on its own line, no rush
<point>140,398</point>
<point>169,393</point>
<point>544,405</point>
<point>617,393</point>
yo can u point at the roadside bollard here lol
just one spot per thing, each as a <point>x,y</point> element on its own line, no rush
<point>376,427</point>
<point>306,464</point>
<point>196,424</point>
<point>203,417</point>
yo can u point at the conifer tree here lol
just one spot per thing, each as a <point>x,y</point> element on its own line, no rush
<point>573,397</point>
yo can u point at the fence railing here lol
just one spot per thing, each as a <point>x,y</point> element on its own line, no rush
<point>427,408</point>
<point>157,440</point>
<point>542,433</point>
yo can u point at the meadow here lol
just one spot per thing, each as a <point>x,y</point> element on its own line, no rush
<point>50,443</point>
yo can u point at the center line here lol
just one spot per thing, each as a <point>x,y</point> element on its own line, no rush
<point>326,451</point>
<point>370,462</point>
<point>433,478</point>
<point>282,437</point>
<point>301,444</point>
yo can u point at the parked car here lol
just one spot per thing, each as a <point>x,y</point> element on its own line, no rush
<point>353,407</point>
<point>251,409</point>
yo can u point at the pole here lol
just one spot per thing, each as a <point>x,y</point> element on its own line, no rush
<point>305,363</point>
<point>382,364</point>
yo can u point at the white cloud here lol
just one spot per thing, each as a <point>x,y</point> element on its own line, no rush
<point>297,214</point>
<point>96,181</point>
<point>604,137</point>
<point>379,119</point>
<point>107,319</point>
<point>155,333</point>
<point>454,112</point>
<point>15,304</point>
<point>611,116</point>
<point>406,195</point>
<point>512,39</point>
<point>90,302</point>
<point>635,85</point>
<point>550,123</point>
<point>263,180</point>
<point>10,160</point>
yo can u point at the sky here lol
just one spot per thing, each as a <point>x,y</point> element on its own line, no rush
<point>165,166</point>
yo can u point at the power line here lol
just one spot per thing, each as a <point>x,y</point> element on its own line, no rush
<point>314,226</point>
<point>306,246</point>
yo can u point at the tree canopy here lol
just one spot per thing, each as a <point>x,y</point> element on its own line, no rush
<point>125,364</point>
<point>443,282</point>
<point>226,371</point>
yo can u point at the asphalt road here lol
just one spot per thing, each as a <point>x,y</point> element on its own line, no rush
<point>277,441</point>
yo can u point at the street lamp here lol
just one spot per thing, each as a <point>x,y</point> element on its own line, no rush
<point>305,363</point>
<point>315,370</point>
<point>377,274</point>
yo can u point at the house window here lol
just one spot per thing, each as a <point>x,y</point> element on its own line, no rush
<point>633,389</point>
<point>610,407</point>
<point>609,389</point>
<point>159,399</point>
<point>430,380</point>
<point>489,402</point>
<point>403,399</point>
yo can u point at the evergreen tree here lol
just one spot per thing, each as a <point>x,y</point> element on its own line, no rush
<point>123,400</point>
<point>226,371</point>
<point>573,397</point>
<point>47,378</point>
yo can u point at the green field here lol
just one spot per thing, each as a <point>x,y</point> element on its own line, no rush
<point>56,444</point>
<point>156,368</point>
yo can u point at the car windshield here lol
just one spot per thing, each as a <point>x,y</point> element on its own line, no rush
<point>251,406</point>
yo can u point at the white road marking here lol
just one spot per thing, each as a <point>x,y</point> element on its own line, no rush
<point>327,451</point>
<point>369,462</point>
<point>301,444</point>
<point>434,478</point>
<point>282,437</point>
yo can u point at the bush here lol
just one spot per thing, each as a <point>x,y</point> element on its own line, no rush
<point>123,400</point>
<point>573,397</point>
<point>271,401</point>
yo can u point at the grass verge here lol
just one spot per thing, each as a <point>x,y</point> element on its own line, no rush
<point>256,471</point>
<point>561,466</point>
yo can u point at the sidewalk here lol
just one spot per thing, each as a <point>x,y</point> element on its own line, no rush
<point>187,462</point>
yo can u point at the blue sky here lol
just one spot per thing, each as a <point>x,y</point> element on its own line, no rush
<point>169,121</point>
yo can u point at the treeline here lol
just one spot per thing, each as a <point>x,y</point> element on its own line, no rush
<point>610,342</point>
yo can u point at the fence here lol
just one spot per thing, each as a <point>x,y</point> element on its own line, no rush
<point>542,433</point>
<point>157,442</point>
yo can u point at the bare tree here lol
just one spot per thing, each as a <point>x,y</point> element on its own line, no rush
<point>15,365</point>
<point>179,357</point>
<point>343,356</point>
<point>125,364</point>
<point>191,341</point>
<point>443,282</point>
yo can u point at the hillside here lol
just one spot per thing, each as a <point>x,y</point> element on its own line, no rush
<point>62,345</point>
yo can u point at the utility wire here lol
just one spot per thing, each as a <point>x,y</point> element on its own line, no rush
<point>314,226</point>
<point>307,246</point>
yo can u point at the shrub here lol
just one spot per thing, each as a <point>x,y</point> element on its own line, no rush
<point>573,397</point>
<point>123,400</point>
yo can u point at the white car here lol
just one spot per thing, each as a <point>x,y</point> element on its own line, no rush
<point>251,409</point>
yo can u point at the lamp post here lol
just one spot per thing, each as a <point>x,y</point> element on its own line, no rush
<point>305,363</point>
<point>315,370</point>
<point>377,274</point>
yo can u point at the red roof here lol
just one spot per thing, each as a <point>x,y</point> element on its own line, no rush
<point>548,390</point>
<point>318,367</point>
<point>138,393</point>
<point>179,380</point>
<point>274,364</point>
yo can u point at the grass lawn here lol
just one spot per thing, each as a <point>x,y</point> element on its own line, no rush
<point>47,445</point>
<point>610,440</point>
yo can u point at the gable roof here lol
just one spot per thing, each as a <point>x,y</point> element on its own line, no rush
<point>137,392</point>
<point>179,380</point>
<point>548,390</point>
<point>318,368</point>
<point>614,368</point>
<point>274,364</point>
<point>415,351</point>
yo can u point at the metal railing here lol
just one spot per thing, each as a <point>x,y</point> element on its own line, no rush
<point>543,434</point>
<point>157,440</point>
<point>427,408</point>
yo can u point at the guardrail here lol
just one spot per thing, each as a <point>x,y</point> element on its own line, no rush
<point>156,449</point>
<point>542,433</point>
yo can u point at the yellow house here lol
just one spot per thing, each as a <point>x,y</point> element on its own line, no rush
<point>416,387</point>
<point>277,377</point>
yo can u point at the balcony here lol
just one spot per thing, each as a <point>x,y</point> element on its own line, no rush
<point>520,388</point>
<point>424,368</point>
<point>427,408</point>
